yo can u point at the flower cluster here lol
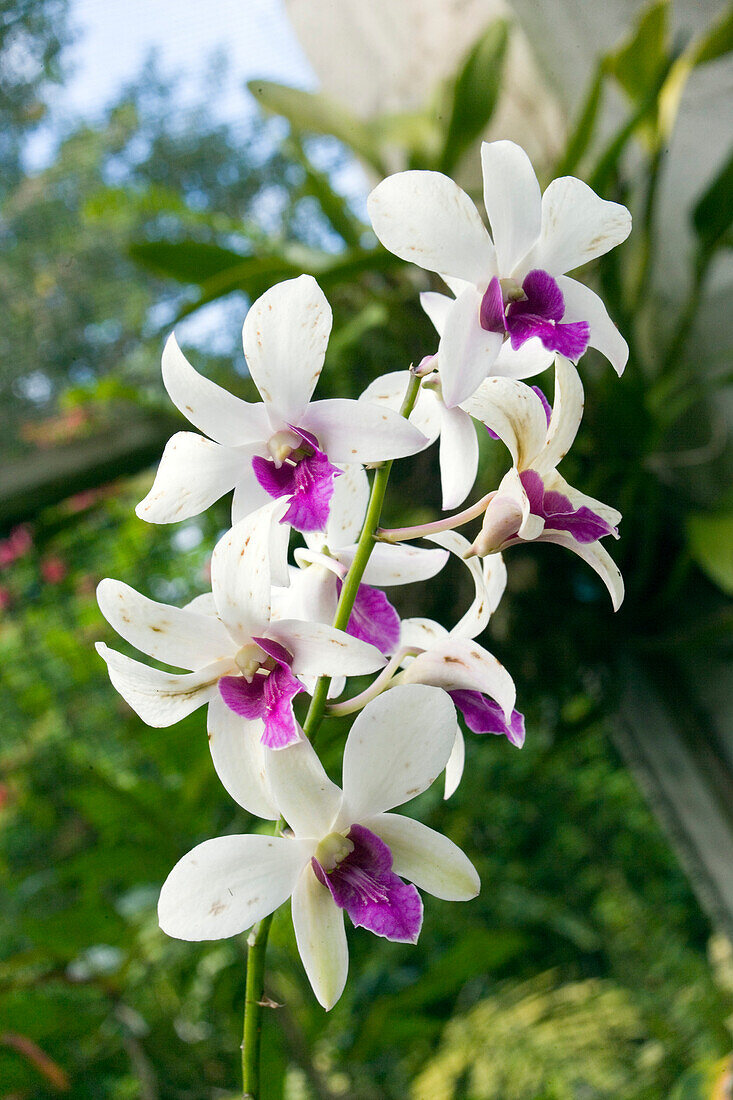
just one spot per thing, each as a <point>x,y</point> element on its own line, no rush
<point>282,622</point>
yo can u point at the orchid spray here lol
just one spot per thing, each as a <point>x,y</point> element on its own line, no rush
<point>276,625</point>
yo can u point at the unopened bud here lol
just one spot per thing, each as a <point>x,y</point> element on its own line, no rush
<point>502,519</point>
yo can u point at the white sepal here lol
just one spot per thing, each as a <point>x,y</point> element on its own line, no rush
<point>226,885</point>
<point>426,219</point>
<point>193,473</point>
<point>215,412</point>
<point>239,758</point>
<point>302,791</point>
<point>177,636</point>
<point>321,938</point>
<point>161,698</point>
<point>398,745</point>
<point>285,335</point>
<point>428,859</point>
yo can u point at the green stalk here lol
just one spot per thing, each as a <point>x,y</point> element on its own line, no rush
<point>252,1033</point>
<point>257,941</point>
<point>364,548</point>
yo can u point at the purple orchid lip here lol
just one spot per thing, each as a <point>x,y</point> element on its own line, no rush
<point>268,696</point>
<point>539,313</point>
<point>483,715</point>
<point>306,477</point>
<point>373,619</point>
<point>359,875</point>
<point>558,513</point>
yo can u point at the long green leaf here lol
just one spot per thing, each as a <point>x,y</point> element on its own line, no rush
<point>315,113</point>
<point>636,65</point>
<point>711,545</point>
<point>475,93</point>
<point>582,134</point>
<point>713,213</point>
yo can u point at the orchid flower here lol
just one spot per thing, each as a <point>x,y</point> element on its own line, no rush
<point>533,501</point>
<point>243,663</point>
<point>342,852</point>
<point>316,586</point>
<point>512,288</point>
<point>287,445</point>
<point>481,688</point>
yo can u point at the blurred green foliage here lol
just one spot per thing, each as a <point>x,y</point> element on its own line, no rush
<point>581,971</point>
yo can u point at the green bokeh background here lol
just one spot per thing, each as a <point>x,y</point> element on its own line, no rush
<point>585,969</point>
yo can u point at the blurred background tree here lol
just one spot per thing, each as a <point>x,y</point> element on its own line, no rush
<point>586,968</point>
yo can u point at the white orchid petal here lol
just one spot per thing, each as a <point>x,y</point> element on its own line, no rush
<point>226,885</point>
<point>597,558</point>
<point>515,413</point>
<point>220,415</point>
<point>577,226</point>
<point>311,597</point>
<point>461,664</point>
<point>582,304</point>
<point>302,791</point>
<point>279,543</point>
<point>457,286</point>
<point>285,335</point>
<point>161,698</point>
<point>361,431</point>
<point>513,202</point>
<point>348,507</point>
<point>181,637</point>
<point>455,765</point>
<point>320,650</point>
<point>531,359</point>
<point>389,390</point>
<point>458,456</point>
<point>321,938</point>
<point>240,576</point>
<point>397,564</point>
<point>426,219</point>
<point>567,413</point>
<point>420,633</point>
<point>426,858</point>
<point>249,496</point>
<point>466,352</point>
<point>437,307</point>
<point>239,758</point>
<point>477,617</point>
<point>398,745</point>
<point>193,473</point>
<point>202,605</point>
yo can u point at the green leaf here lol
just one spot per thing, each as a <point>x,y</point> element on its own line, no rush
<point>475,93</point>
<point>637,64</point>
<point>258,274</point>
<point>186,261</point>
<point>717,42</point>
<point>711,546</point>
<point>333,205</point>
<point>582,134</point>
<point>315,113</point>
<point>713,212</point>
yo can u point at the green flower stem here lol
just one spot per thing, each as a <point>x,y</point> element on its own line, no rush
<point>257,940</point>
<point>364,548</point>
<point>252,1033</point>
